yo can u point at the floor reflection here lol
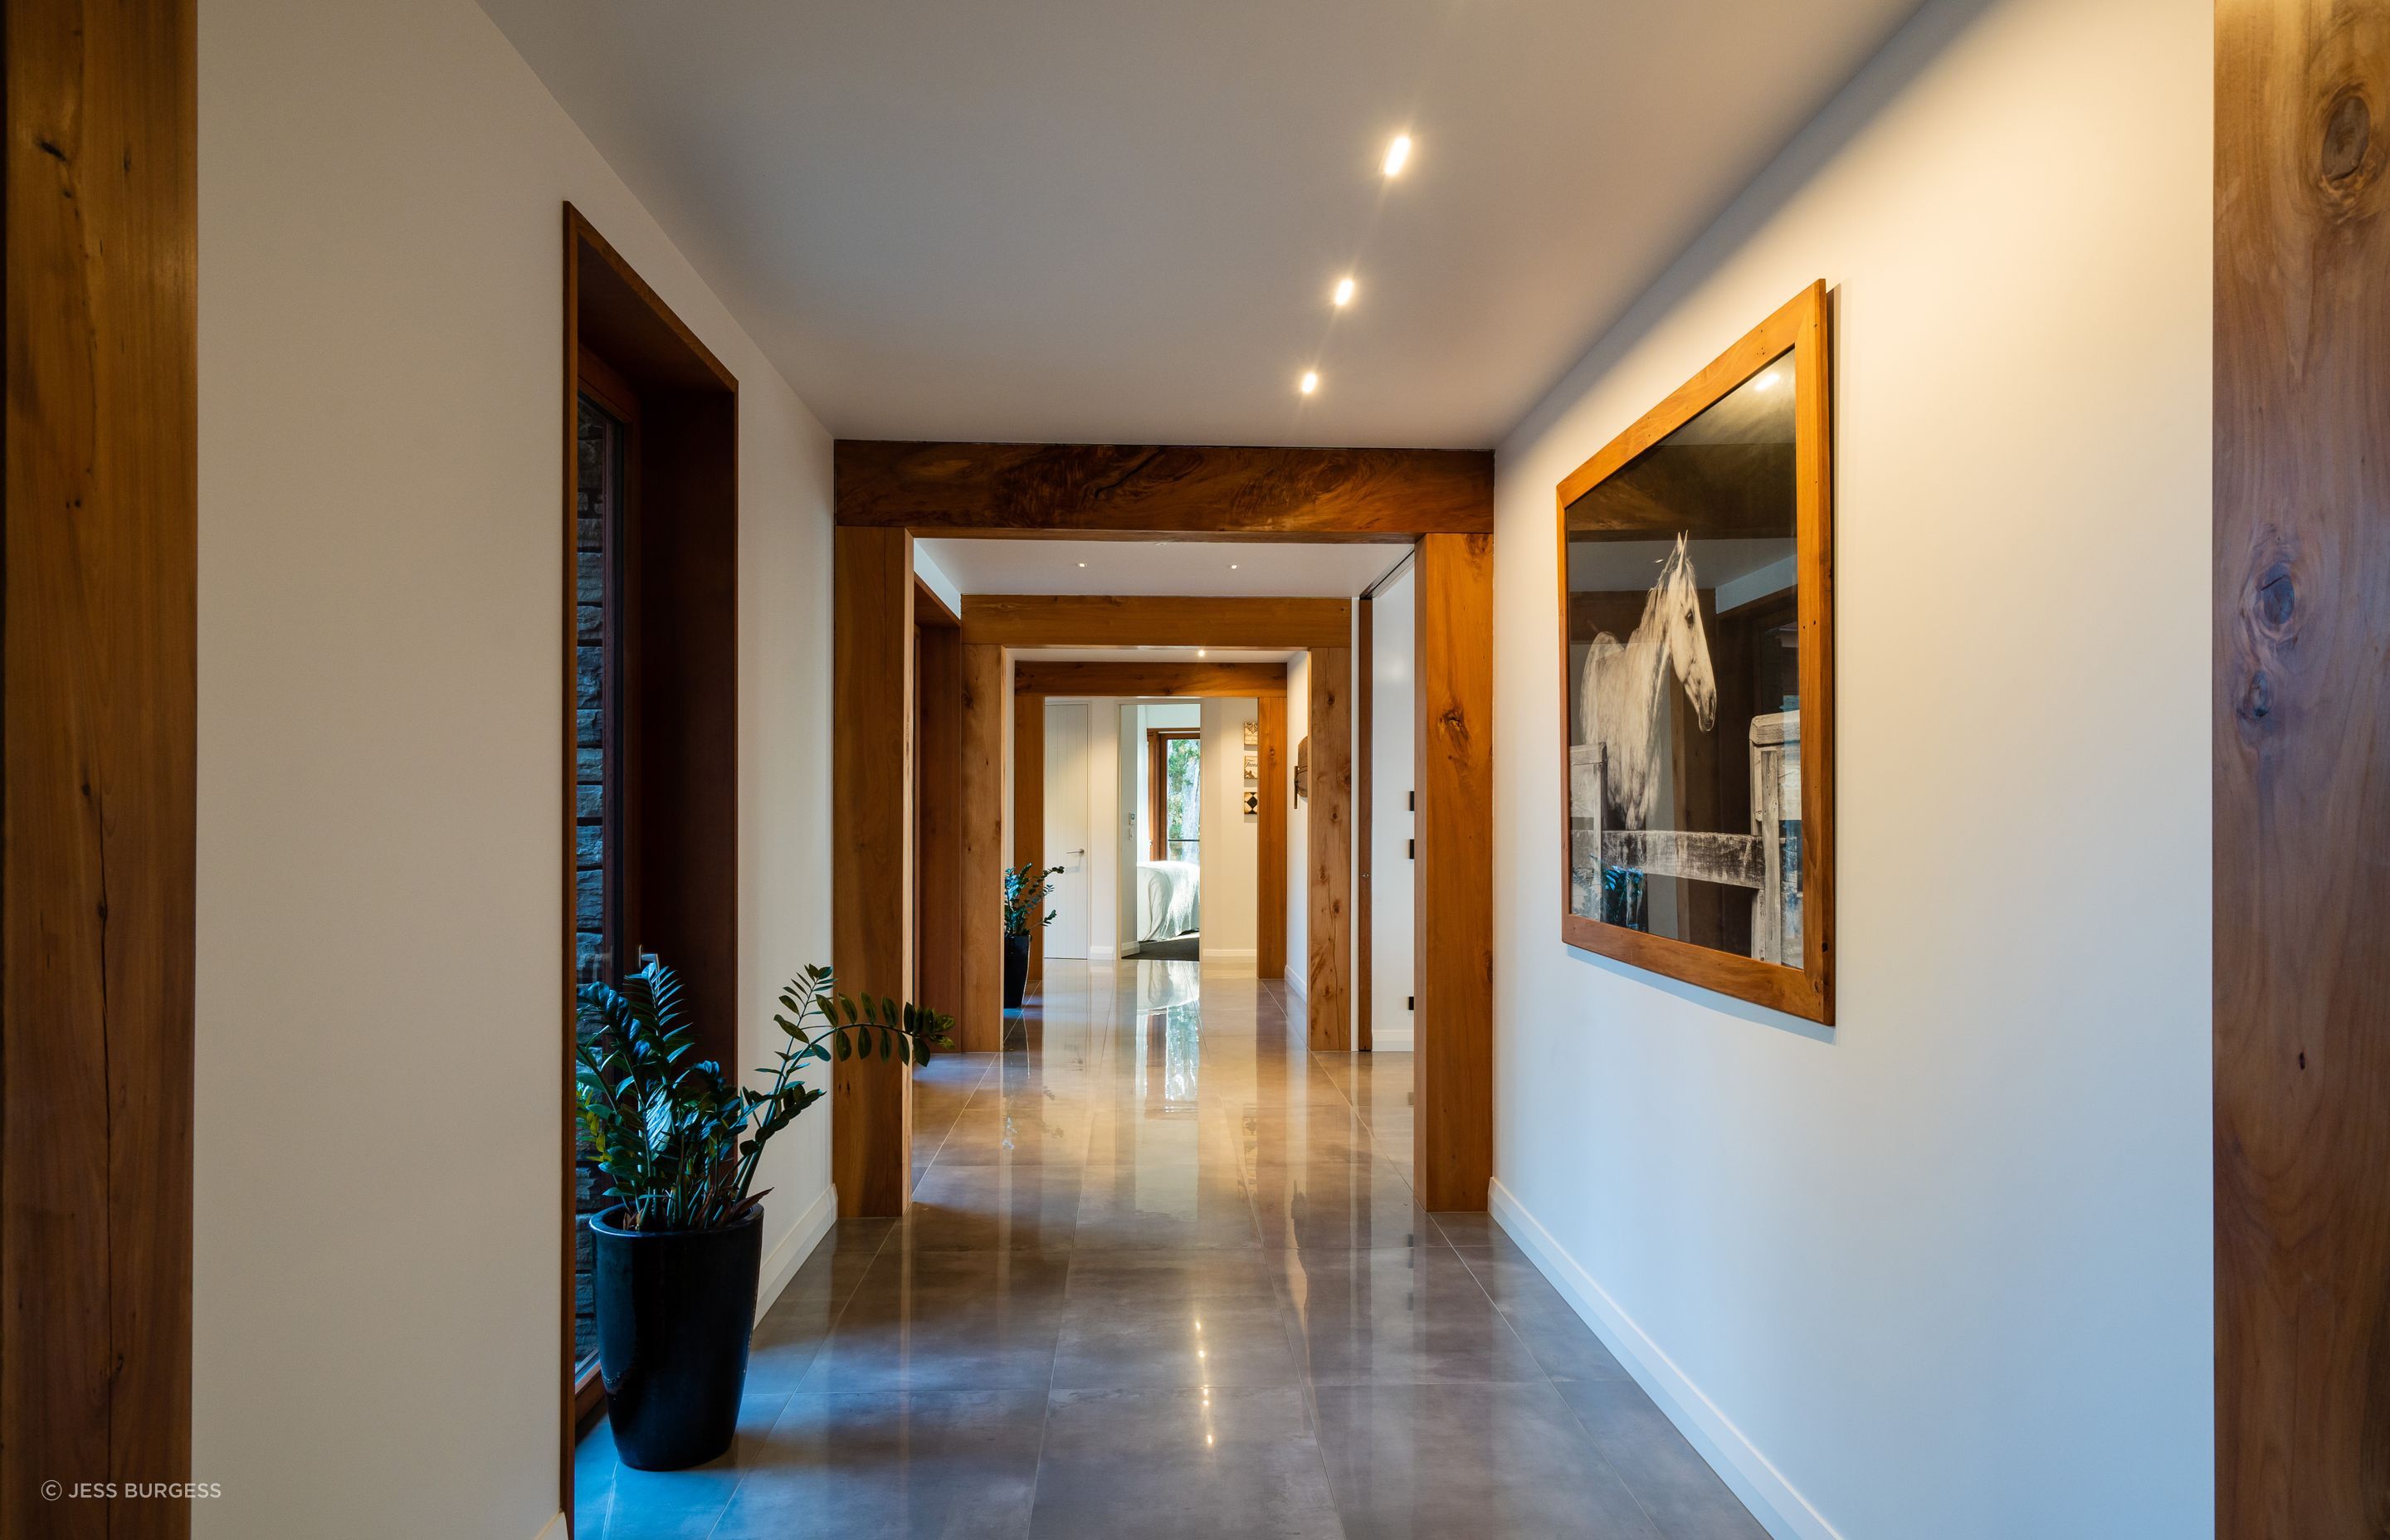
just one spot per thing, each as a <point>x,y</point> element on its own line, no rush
<point>1164,1276</point>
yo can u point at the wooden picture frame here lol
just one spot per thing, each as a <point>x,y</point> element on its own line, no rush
<point>1800,328</point>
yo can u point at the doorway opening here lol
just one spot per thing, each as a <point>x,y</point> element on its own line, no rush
<point>1167,900</point>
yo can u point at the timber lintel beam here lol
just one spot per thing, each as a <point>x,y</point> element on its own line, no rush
<point>1197,679</point>
<point>1191,490</point>
<point>1074,620</point>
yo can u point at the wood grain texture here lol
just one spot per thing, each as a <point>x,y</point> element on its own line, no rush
<point>1806,990</point>
<point>871,857</point>
<point>2302,764</point>
<point>1066,619</point>
<point>1229,681</point>
<point>1364,659</point>
<point>1044,489</point>
<point>1269,841</point>
<point>938,819</point>
<point>97,790</point>
<point>1329,999</point>
<point>1453,920</point>
<point>986,695</point>
<point>1029,805</point>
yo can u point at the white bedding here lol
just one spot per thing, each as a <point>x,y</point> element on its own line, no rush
<point>1168,899</point>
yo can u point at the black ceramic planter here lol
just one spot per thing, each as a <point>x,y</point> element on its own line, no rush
<point>675,1309</point>
<point>1016,970</point>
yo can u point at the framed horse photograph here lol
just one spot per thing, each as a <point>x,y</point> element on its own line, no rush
<point>1696,562</point>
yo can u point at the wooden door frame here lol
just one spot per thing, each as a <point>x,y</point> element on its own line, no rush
<point>1264,683</point>
<point>1434,499</point>
<point>625,347</point>
<point>2300,722</point>
<point>98,688</point>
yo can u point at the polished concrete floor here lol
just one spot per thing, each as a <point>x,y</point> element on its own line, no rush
<point>1164,1276</point>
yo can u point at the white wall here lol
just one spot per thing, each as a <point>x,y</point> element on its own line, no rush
<point>1103,830</point>
<point>1232,841</point>
<point>1944,1270</point>
<point>1393,768</point>
<point>376,1291</point>
<point>1298,831</point>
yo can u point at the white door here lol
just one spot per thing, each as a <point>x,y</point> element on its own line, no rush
<point>1066,826</point>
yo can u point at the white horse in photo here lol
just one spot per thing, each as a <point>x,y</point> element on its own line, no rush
<point>1624,685</point>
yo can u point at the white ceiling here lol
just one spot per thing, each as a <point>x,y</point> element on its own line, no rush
<point>1089,220</point>
<point>1141,567</point>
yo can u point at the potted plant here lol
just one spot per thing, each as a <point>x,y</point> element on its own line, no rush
<point>1025,894</point>
<point>678,1141</point>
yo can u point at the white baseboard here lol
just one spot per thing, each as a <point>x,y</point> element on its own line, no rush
<point>555,1529</point>
<point>1772,1500</point>
<point>1391,1042</point>
<point>1229,954</point>
<point>1295,983</point>
<point>1103,954</point>
<point>791,1253</point>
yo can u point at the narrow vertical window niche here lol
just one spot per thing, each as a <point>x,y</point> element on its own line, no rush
<point>603,442</point>
<point>651,725</point>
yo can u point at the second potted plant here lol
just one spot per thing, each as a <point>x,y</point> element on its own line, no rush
<point>1024,896</point>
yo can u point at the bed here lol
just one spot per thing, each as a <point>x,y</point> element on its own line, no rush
<point>1169,898</point>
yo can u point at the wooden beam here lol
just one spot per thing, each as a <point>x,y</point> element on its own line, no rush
<point>1029,805</point>
<point>1328,999</point>
<point>1219,492</point>
<point>1269,838</point>
<point>1129,679</point>
<point>987,694</point>
<point>2301,770</point>
<point>1071,620</point>
<point>98,671</point>
<point>1453,1120</point>
<point>871,857</point>
<point>938,819</point>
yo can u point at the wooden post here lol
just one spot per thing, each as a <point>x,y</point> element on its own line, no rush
<point>1269,837</point>
<point>98,687</point>
<point>1453,1121</point>
<point>987,694</point>
<point>1029,806</point>
<point>1329,1005</point>
<point>2301,760</point>
<point>871,854</point>
<point>938,787</point>
<point>1364,659</point>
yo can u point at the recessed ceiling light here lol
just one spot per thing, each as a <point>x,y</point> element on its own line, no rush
<point>1232,566</point>
<point>1310,381</point>
<point>1082,564</point>
<point>1398,154</point>
<point>1345,291</point>
<point>1201,653</point>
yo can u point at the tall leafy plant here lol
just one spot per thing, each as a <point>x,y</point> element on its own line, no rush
<point>1025,894</point>
<point>676,1138</point>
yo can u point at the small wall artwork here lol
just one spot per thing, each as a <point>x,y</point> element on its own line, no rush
<point>1253,802</point>
<point>1253,768</point>
<point>1252,735</point>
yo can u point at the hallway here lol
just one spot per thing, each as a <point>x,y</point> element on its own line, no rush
<point>1164,1276</point>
